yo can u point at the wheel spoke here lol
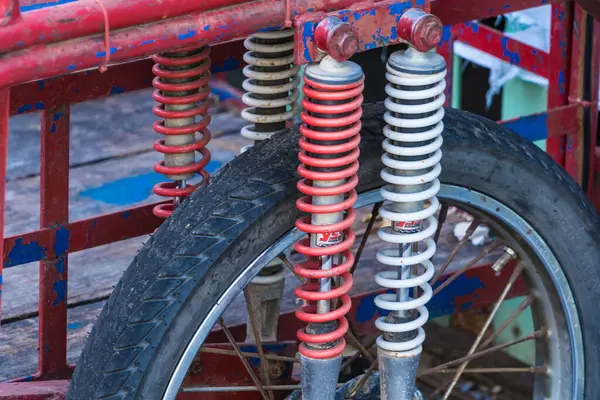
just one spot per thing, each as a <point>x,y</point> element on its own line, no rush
<point>245,362</point>
<point>289,266</point>
<point>362,349</point>
<point>225,352</point>
<point>487,250</point>
<point>532,370</point>
<point>366,234</point>
<point>513,278</point>
<point>209,389</point>
<point>470,230</point>
<point>524,304</point>
<point>537,334</point>
<point>363,379</point>
<point>441,219</point>
<point>264,364</point>
<point>353,357</point>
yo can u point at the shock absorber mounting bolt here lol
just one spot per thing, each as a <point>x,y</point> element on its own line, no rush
<point>336,38</point>
<point>421,30</point>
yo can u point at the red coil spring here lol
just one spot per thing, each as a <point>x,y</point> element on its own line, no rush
<point>350,98</point>
<point>193,79</point>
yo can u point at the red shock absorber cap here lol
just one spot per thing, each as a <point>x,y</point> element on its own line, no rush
<point>421,30</point>
<point>336,38</point>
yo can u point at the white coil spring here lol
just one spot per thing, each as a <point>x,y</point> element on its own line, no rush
<point>393,256</point>
<point>289,91</point>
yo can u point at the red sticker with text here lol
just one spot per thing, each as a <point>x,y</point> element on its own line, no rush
<point>407,226</point>
<point>328,238</point>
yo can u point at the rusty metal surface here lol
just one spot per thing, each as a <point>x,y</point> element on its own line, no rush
<point>376,26</point>
<point>173,25</point>
<point>54,210</point>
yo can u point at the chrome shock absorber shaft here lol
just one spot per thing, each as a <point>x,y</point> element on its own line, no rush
<point>271,96</point>
<point>412,154</point>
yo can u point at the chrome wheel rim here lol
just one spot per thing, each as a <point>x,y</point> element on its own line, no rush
<point>561,359</point>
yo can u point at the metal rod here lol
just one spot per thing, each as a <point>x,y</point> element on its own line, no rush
<point>209,389</point>
<point>441,219</point>
<point>53,272</point>
<point>493,246</point>
<point>366,234</point>
<point>225,352</point>
<point>4,114</point>
<point>534,370</point>
<point>360,346</point>
<point>247,365</point>
<point>470,230</point>
<point>289,266</point>
<point>264,364</point>
<point>84,18</point>
<point>515,275</point>
<point>524,304</point>
<point>362,380</point>
<point>479,354</point>
<point>353,357</point>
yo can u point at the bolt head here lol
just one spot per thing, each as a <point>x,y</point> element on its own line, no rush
<point>427,32</point>
<point>343,43</point>
<point>336,38</point>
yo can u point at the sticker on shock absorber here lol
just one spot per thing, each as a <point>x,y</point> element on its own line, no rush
<point>328,238</point>
<point>407,226</point>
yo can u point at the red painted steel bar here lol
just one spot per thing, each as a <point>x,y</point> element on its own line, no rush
<point>4,107</point>
<point>558,71</point>
<point>210,27</point>
<point>88,85</point>
<point>83,234</point>
<point>594,83</point>
<point>503,47</point>
<point>579,155</point>
<point>575,142</point>
<point>85,17</point>
<point>54,212</point>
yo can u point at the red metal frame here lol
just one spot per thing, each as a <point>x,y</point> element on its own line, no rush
<point>69,41</point>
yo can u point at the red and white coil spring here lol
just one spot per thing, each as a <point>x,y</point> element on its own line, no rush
<point>412,166</point>
<point>183,93</point>
<point>329,156</point>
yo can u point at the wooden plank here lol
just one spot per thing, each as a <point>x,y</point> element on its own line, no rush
<point>18,341</point>
<point>101,129</point>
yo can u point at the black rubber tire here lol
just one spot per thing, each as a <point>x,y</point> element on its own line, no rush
<point>167,290</point>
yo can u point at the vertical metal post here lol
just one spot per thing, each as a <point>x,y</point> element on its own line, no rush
<point>583,89</point>
<point>558,78</point>
<point>446,49</point>
<point>593,86</point>
<point>575,144</point>
<point>4,114</point>
<point>54,212</point>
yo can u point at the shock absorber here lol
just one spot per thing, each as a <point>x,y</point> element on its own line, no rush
<point>271,96</point>
<point>329,163</point>
<point>271,85</point>
<point>182,92</point>
<point>412,154</point>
